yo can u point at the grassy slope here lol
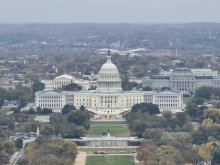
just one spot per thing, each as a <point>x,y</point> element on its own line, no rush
<point>115,128</point>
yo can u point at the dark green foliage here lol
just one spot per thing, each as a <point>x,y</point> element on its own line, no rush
<point>31,111</point>
<point>198,100</point>
<point>46,111</point>
<point>138,122</point>
<point>43,111</point>
<point>153,134</point>
<point>205,132</point>
<point>82,108</point>
<point>68,108</point>
<point>38,110</point>
<point>22,161</point>
<point>165,88</point>
<point>23,103</point>
<point>37,86</point>
<point>2,97</point>
<point>147,89</point>
<point>72,87</point>
<point>71,125</point>
<point>19,143</point>
<point>139,128</point>
<point>204,92</point>
<point>16,110</point>
<point>146,107</point>
<point>181,119</point>
<point>79,118</point>
<point>192,110</point>
<point>217,105</point>
<point>216,156</point>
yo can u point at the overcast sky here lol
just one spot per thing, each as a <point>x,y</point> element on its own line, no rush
<point>110,11</point>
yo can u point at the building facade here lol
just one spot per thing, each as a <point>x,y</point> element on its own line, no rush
<point>53,99</point>
<point>108,100</point>
<point>183,79</point>
<point>62,80</point>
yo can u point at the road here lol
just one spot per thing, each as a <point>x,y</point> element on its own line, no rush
<point>19,154</point>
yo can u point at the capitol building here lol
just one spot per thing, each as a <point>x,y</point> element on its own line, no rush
<point>108,100</point>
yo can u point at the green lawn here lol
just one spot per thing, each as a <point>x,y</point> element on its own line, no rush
<point>115,128</point>
<point>187,99</point>
<point>110,160</point>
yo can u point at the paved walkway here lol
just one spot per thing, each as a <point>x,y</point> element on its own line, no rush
<point>80,158</point>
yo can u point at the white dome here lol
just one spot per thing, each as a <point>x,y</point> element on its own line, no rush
<point>109,67</point>
<point>109,77</point>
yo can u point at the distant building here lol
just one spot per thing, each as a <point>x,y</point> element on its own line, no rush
<point>62,80</point>
<point>54,99</point>
<point>8,83</point>
<point>42,119</point>
<point>183,79</point>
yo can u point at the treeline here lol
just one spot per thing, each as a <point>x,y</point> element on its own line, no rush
<point>22,95</point>
<point>206,93</point>
<point>173,138</point>
<point>145,115</point>
<point>48,151</point>
<point>72,124</point>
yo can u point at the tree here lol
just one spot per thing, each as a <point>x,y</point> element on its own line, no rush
<point>167,155</point>
<point>205,152</point>
<point>217,105</point>
<point>167,114</point>
<point>198,100</point>
<point>48,151</point>
<point>192,109</point>
<point>146,107</point>
<point>79,118</point>
<point>23,103</point>
<point>37,86</point>
<point>198,137</point>
<point>29,126</point>
<point>19,143</point>
<point>213,114</point>
<point>46,111</point>
<point>68,108</point>
<point>181,119</point>
<point>38,110</point>
<point>31,111</point>
<point>165,88</point>
<point>70,150</point>
<point>59,122</point>
<point>72,87</point>
<point>8,147</point>
<point>146,152</point>
<point>147,88</point>
<point>153,134</point>
<point>204,92</point>
<point>216,156</point>
<point>48,130</point>
<point>139,127</point>
<point>2,97</point>
<point>82,108</point>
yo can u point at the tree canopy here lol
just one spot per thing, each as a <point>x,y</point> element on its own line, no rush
<point>146,107</point>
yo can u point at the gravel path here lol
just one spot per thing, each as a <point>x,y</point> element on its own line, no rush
<point>80,158</point>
